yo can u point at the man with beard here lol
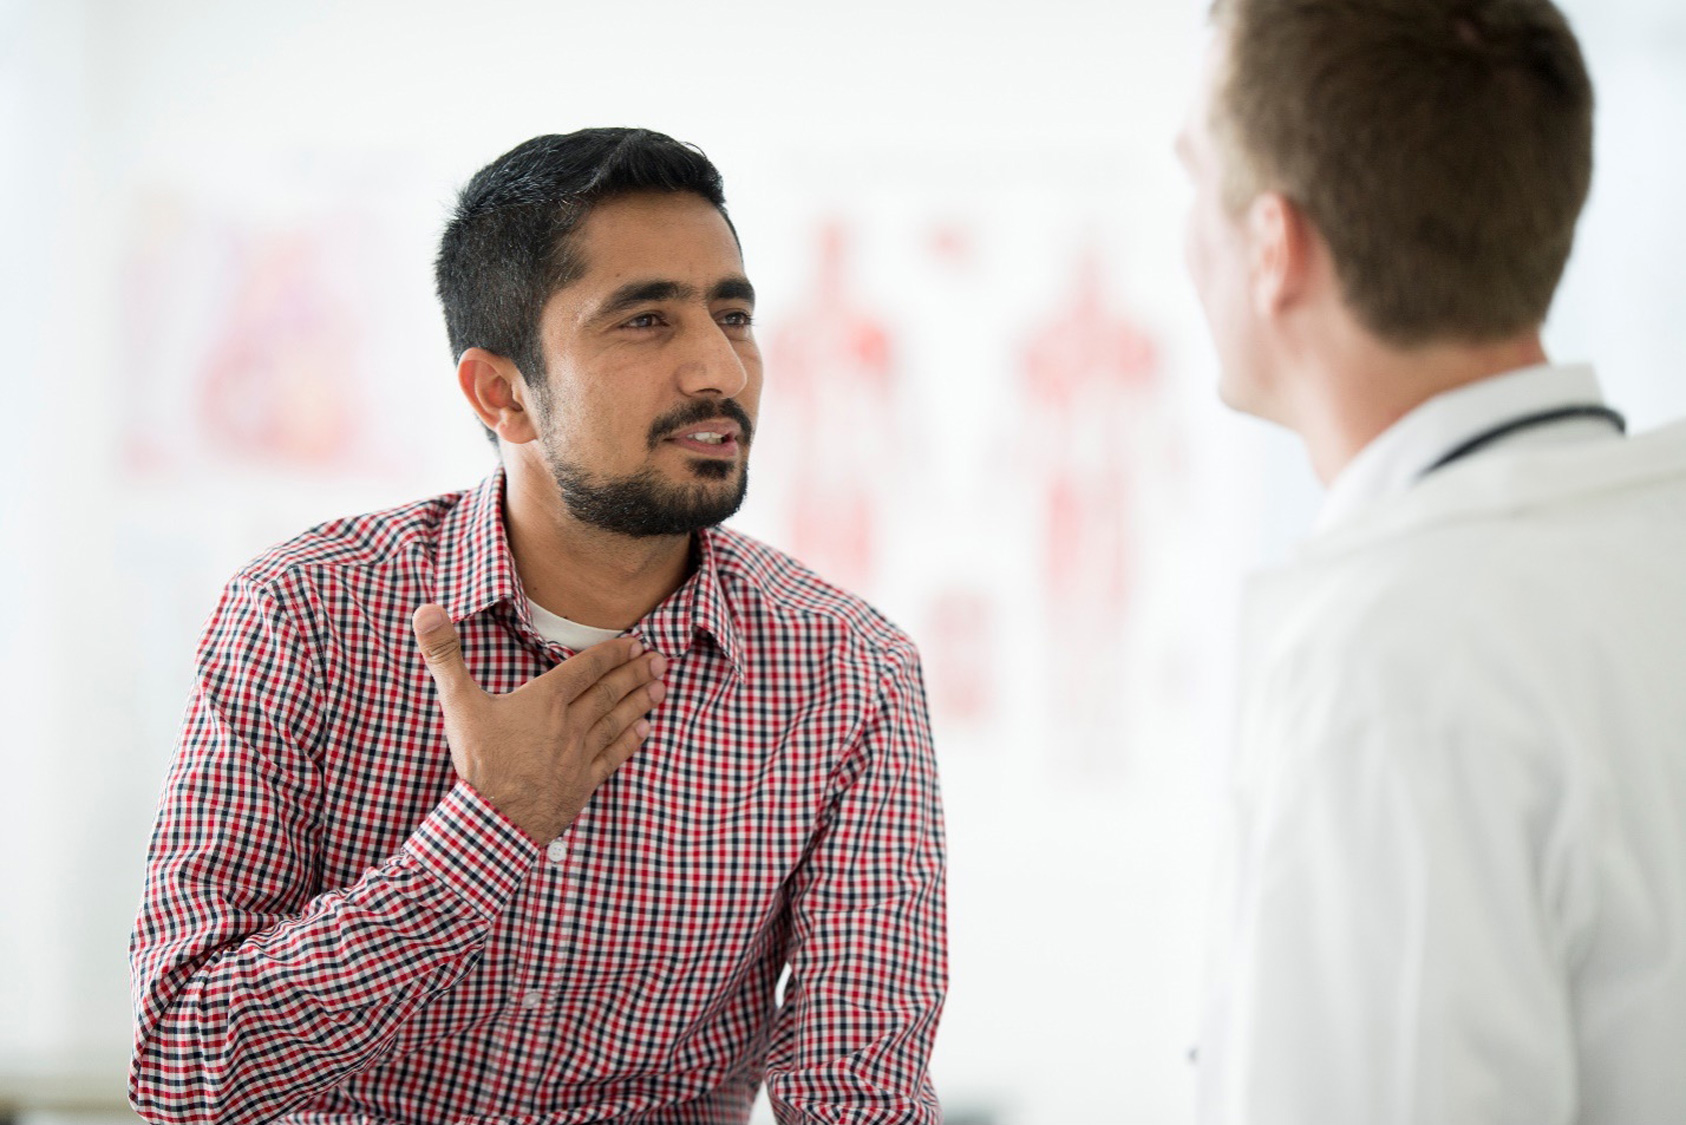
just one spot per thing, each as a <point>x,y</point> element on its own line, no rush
<point>513,804</point>
<point>1456,885</point>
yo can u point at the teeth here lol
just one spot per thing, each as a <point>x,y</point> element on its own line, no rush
<point>710,439</point>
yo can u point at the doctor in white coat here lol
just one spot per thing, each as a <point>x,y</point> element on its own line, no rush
<point>1454,888</point>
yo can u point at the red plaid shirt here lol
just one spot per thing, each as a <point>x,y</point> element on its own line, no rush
<point>336,928</point>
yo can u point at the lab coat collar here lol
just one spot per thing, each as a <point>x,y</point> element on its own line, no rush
<point>1523,480</point>
<point>1394,461</point>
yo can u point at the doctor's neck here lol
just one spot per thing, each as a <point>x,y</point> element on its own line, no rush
<point>1353,387</point>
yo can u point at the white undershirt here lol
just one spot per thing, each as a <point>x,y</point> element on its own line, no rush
<point>568,634</point>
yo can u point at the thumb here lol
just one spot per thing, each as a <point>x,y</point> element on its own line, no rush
<point>437,638</point>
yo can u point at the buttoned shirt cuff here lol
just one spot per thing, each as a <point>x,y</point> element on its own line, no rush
<point>469,846</point>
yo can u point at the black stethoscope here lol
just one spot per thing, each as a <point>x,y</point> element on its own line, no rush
<point>1526,422</point>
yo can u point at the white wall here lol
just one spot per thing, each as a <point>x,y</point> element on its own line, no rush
<point>43,118</point>
<point>184,177</point>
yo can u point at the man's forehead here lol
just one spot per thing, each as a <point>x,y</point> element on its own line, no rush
<point>1195,135</point>
<point>657,227</point>
<point>1214,70</point>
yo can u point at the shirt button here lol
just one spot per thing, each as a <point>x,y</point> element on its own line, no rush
<point>557,851</point>
<point>532,999</point>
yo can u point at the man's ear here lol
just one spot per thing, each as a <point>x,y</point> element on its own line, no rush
<point>1280,245</point>
<point>494,388</point>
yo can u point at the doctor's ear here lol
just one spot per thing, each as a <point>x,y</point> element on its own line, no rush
<point>495,390</point>
<point>1281,244</point>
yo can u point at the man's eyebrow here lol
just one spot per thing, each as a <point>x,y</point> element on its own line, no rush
<point>654,291</point>
<point>733,289</point>
<point>635,293</point>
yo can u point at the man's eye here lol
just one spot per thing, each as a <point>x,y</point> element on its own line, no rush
<point>737,319</point>
<point>645,320</point>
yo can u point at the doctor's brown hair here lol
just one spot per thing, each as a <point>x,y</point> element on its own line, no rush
<point>1442,148</point>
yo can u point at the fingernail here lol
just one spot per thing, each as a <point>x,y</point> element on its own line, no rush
<point>642,727</point>
<point>658,690</point>
<point>636,649</point>
<point>430,617</point>
<point>658,664</point>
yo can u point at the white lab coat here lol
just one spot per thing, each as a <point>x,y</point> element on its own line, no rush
<point>1455,886</point>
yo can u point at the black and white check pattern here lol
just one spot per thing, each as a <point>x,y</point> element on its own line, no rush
<point>337,929</point>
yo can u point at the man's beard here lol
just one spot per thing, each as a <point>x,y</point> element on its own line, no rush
<point>644,505</point>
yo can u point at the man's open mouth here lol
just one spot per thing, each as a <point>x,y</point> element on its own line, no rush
<point>719,439</point>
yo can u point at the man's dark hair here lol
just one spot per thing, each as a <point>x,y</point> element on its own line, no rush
<point>1442,148</point>
<point>507,247</point>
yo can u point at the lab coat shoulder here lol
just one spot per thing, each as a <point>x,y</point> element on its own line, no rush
<point>1396,632</point>
<point>1510,578</point>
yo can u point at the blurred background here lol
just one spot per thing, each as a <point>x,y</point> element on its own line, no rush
<point>989,409</point>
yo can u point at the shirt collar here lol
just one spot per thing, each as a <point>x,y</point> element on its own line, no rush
<point>475,571</point>
<point>1394,461</point>
<point>698,608</point>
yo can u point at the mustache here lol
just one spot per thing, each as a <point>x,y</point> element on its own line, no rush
<point>704,411</point>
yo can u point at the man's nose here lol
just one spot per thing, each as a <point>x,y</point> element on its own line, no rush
<point>710,364</point>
